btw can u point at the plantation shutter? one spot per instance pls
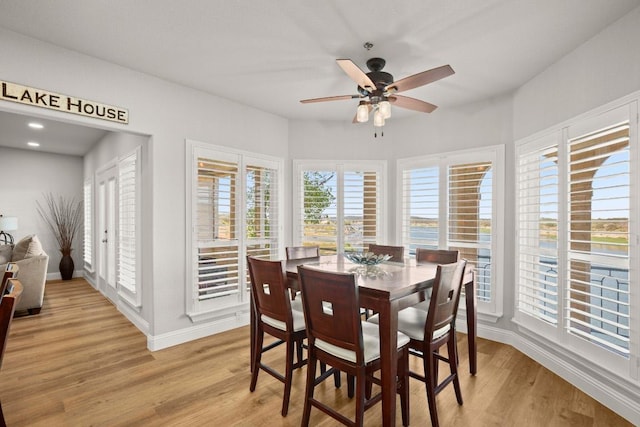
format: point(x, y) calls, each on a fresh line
point(360, 211)
point(128, 193)
point(262, 222)
point(597, 309)
point(420, 208)
point(339, 207)
point(319, 208)
point(470, 218)
point(537, 216)
point(216, 228)
point(88, 225)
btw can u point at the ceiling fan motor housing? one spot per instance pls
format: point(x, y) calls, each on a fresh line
point(381, 78)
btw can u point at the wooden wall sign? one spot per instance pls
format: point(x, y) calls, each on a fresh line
point(54, 101)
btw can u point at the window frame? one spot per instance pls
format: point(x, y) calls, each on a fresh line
point(340, 167)
point(558, 338)
point(492, 310)
point(200, 310)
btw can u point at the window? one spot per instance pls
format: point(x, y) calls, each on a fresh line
point(575, 206)
point(88, 225)
point(449, 202)
point(338, 206)
point(128, 227)
point(235, 211)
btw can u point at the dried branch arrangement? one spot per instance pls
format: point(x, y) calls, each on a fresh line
point(64, 217)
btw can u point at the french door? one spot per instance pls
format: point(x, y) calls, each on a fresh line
point(106, 209)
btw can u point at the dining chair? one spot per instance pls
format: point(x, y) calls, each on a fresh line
point(338, 337)
point(430, 330)
point(274, 316)
point(435, 256)
point(396, 252)
point(299, 252)
point(7, 309)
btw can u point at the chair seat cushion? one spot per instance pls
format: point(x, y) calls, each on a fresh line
point(298, 321)
point(411, 321)
point(371, 340)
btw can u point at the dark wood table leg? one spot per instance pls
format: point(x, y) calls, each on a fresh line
point(472, 319)
point(388, 362)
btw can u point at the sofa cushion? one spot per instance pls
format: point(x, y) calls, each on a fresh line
point(5, 253)
point(22, 247)
point(35, 248)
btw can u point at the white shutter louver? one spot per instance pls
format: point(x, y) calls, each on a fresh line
point(127, 221)
point(262, 221)
point(420, 216)
point(88, 223)
point(216, 229)
point(360, 210)
point(538, 212)
point(470, 219)
point(598, 237)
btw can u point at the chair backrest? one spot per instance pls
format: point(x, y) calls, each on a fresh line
point(396, 252)
point(438, 256)
point(445, 297)
point(331, 309)
point(7, 308)
point(269, 290)
point(299, 252)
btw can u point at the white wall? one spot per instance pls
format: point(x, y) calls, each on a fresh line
point(25, 177)
point(602, 69)
point(169, 113)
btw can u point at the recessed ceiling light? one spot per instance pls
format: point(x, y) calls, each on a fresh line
point(34, 125)
point(33, 144)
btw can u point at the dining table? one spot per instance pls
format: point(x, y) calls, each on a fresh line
point(388, 288)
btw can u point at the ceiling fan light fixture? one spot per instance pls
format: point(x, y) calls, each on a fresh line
point(378, 118)
point(385, 108)
point(362, 114)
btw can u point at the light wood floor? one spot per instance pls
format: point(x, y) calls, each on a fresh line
point(80, 363)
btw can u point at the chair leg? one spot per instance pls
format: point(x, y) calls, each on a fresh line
point(453, 366)
point(311, 380)
point(257, 355)
point(2, 422)
point(350, 386)
point(403, 374)
point(360, 396)
point(299, 352)
point(287, 377)
point(431, 381)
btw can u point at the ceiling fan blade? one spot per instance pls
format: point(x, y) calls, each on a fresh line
point(330, 98)
point(356, 74)
point(420, 79)
point(412, 103)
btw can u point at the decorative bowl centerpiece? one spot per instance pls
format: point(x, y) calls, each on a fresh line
point(366, 258)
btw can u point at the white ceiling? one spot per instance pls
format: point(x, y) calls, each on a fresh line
point(271, 54)
point(54, 137)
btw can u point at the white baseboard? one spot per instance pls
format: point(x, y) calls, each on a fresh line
point(158, 342)
point(134, 317)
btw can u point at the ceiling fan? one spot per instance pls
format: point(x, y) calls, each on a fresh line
point(377, 90)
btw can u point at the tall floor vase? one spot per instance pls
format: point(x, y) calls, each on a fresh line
point(66, 265)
